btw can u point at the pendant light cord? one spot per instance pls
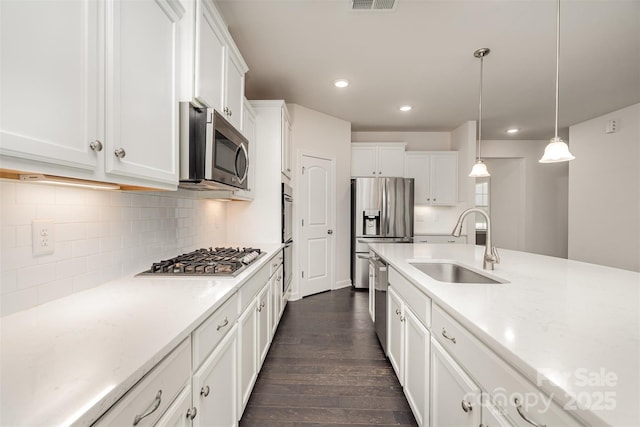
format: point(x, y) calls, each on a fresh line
point(480, 109)
point(557, 63)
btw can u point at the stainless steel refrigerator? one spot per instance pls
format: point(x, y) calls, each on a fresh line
point(381, 211)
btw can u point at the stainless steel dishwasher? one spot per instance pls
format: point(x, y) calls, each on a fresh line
point(380, 312)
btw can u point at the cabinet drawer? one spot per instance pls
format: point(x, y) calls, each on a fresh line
point(251, 287)
point(156, 390)
point(495, 376)
point(420, 303)
point(275, 263)
point(209, 334)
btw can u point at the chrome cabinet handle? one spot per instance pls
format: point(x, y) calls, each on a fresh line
point(398, 311)
point(516, 401)
point(192, 412)
point(466, 406)
point(402, 318)
point(120, 153)
point(150, 410)
point(96, 145)
point(204, 391)
point(223, 324)
point(444, 334)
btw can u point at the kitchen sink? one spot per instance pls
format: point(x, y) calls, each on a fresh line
point(452, 273)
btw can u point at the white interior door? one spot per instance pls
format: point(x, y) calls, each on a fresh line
point(317, 207)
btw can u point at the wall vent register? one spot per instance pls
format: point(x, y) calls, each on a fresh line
point(206, 262)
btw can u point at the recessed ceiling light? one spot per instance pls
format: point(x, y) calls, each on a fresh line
point(513, 130)
point(341, 83)
point(406, 108)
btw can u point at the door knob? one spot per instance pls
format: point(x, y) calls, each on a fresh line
point(329, 231)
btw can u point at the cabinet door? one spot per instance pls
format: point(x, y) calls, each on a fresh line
point(286, 145)
point(372, 292)
point(444, 179)
point(234, 90)
point(214, 386)
point(49, 80)
point(416, 367)
point(395, 335)
point(276, 299)
point(210, 57)
point(417, 166)
point(391, 161)
point(364, 161)
point(180, 413)
point(455, 398)
point(247, 354)
point(264, 326)
point(141, 97)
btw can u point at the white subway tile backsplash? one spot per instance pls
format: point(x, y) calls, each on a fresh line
point(29, 277)
point(100, 236)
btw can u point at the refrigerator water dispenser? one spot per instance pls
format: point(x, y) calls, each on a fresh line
point(371, 221)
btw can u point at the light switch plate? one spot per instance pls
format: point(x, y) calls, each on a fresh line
point(43, 237)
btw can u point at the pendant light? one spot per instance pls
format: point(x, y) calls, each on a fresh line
point(557, 150)
point(479, 169)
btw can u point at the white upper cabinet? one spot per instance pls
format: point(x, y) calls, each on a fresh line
point(218, 68)
point(380, 159)
point(141, 97)
point(210, 56)
point(286, 145)
point(436, 176)
point(87, 94)
point(49, 79)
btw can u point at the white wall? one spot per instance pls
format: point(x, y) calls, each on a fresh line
point(604, 191)
point(545, 195)
point(100, 236)
point(324, 135)
point(463, 140)
point(418, 141)
point(507, 202)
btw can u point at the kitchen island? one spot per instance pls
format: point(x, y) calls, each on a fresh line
point(68, 361)
point(570, 328)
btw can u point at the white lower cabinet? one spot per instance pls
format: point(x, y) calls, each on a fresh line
point(449, 377)
point(276, 299)
point(395, 335)
point(214, 385)
point(264, 325)
point(408, 351)
point(455, 398)
point(180, 413)
point(416, 366)
point(247, 355)
point(145, 402)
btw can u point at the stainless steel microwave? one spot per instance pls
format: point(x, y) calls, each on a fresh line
point(213, 154)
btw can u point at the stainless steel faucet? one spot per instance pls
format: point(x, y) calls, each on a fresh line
point(490, 252)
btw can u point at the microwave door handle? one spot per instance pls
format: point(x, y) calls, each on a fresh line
point(209, 143)
point(246, 169)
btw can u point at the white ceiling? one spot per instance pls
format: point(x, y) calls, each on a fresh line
point(421, 54)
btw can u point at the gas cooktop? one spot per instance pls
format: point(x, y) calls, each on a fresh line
point(206, 262)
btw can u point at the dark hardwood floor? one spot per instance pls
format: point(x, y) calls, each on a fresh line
point(326, 368)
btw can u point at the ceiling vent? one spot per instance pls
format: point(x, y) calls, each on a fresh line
point(373, 4)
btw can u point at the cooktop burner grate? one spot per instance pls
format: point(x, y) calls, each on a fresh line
point(206, 262)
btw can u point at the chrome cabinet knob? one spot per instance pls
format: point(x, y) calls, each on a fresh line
point(96, 145)
point(466, 406)
point(204, 391)
point(329, 231)
point(120, 153)
point(192, 412)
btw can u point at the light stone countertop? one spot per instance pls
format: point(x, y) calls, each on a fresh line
point(565, 320)
point(67, 361)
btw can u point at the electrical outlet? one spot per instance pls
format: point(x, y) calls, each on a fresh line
point(43, 237)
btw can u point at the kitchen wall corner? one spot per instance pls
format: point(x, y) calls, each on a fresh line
point(100, 236)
